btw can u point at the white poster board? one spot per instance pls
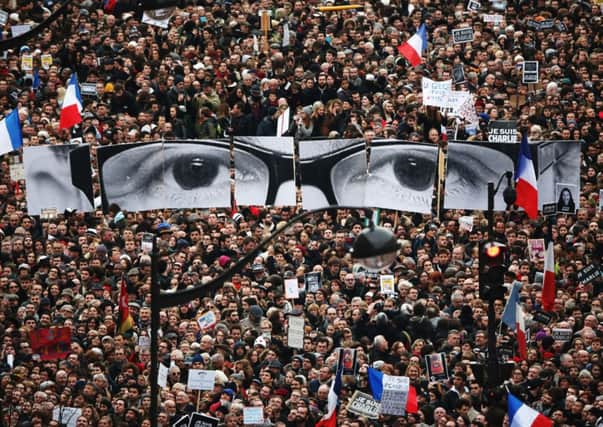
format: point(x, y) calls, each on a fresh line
point(200, 379)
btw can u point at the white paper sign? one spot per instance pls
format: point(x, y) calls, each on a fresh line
point(466, 223)
point(395, 395)
point(495, 19)
point(253, 415)
point(3, 17)
point(66, 415)
point(158, 17)
point(291, 288)
point(454, 100)
point(433, 91)
point(207, 320)
point(200, 379)
point(17, 171)
point(295, 334)
point(162, 375)
point(17, 30)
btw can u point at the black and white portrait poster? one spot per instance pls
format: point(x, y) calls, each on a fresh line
point(558, 163)
point(264, 171)
point(58, 177)
point(565, 198)
point(400, 175)
point(174, 174)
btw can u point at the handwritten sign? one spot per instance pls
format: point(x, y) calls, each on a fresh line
point(433, 91)
point(295, 333)
point(395, 394)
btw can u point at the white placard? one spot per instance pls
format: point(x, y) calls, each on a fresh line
point(291, 288)
point(395, 395)
point(158, 17)
point(207, 320)
point(17, 171)
point(462, 35)
point(17, 30)
point(295, 333)
point(387, 284)
point(66, 415)
point(466, 223)
point(3, 17)
point(433, 91)
point(162, 375)
point(200, 379)
point(495, 19)
point(253, 415)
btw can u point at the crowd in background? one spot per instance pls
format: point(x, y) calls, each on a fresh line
point(340, 73)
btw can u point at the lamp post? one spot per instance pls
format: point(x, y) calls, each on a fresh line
point(375, 248)
point(495, 285)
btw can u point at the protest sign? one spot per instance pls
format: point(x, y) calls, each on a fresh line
point(502, 131)
point(466, 223)
point(364, 405)
point(437, 367)
point(546, 24)
point(562, 334)
point(549, 209)
point(348, 358)
point(88, 89)
point(27, 62)
point(455, 101)
point(395, 395)
point(542, 317)
point(158, 17)
point(200, 379)
point(3, 17)
point(253, 415)
point(462, 35)
point(387, 284)
point(17, 30)
point(495, 19)
point(588, 274)
point(291, 288)
point(295, 333)
point(17, 171)
point(474, 6)
point(202, 420)
point(458, 73)
point(207, 320)
point(181, 422)
point(162, 375)
point(313, 282)
point(66, 415)
point(46, 61)
point(434, 92)
point(536, 249)
point(530, 72)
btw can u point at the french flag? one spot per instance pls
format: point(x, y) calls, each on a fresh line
point(413, 48)
point(521, 415)
point(525, 180)
point(375, 378)
point(520, 330)
point(330, 418)
point(548, 284)
point(71, 110)
point(10, 133)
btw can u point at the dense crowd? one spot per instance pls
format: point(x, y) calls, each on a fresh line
point(340, 73)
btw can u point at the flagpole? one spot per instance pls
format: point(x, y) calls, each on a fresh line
point(155, 294)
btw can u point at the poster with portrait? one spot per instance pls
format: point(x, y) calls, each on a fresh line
point(58, 177)
point(565, 197)
point(536, 249)
point(171, 174)
point(437, 367)
point(348, 358)
point(558, 163)
point(264, 171)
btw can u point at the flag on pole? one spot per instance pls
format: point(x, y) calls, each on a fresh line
point(525, 180)
point(520, 331)
point(71, 110)
point(11, 137)
point(375, 378)
point(126, 322)
point(50, 343)
point(509, 316)
point(548, 284)
point(413, 48)
point(521, 415)
point(330, 418)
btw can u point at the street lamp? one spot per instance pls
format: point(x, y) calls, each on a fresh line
point(492, 263)
point(375, 248)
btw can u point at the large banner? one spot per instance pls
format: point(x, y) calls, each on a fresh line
point(395, 175)
point(158, 175)
point(58, 177)
point(470, 166)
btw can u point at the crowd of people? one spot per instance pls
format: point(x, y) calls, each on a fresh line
point(212, 73)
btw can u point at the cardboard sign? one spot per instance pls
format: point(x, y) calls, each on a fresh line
point(313, 281)
point(474, 6)
point(201, 420)
point(542, 317)
point(588, 274)
point(395, 395)
point(387, 284)
point(562, 334)
point(536, 249)
point(88, 89)
point(437, 367)
point(495, 19)
point(530, 72)
point(253, 415)
point(66, 415)
point(162, 375)
point(291, 288)
point(364, 405)
point(503, 131)
point(200, 379)
point(462, 35)
point(295, 332)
